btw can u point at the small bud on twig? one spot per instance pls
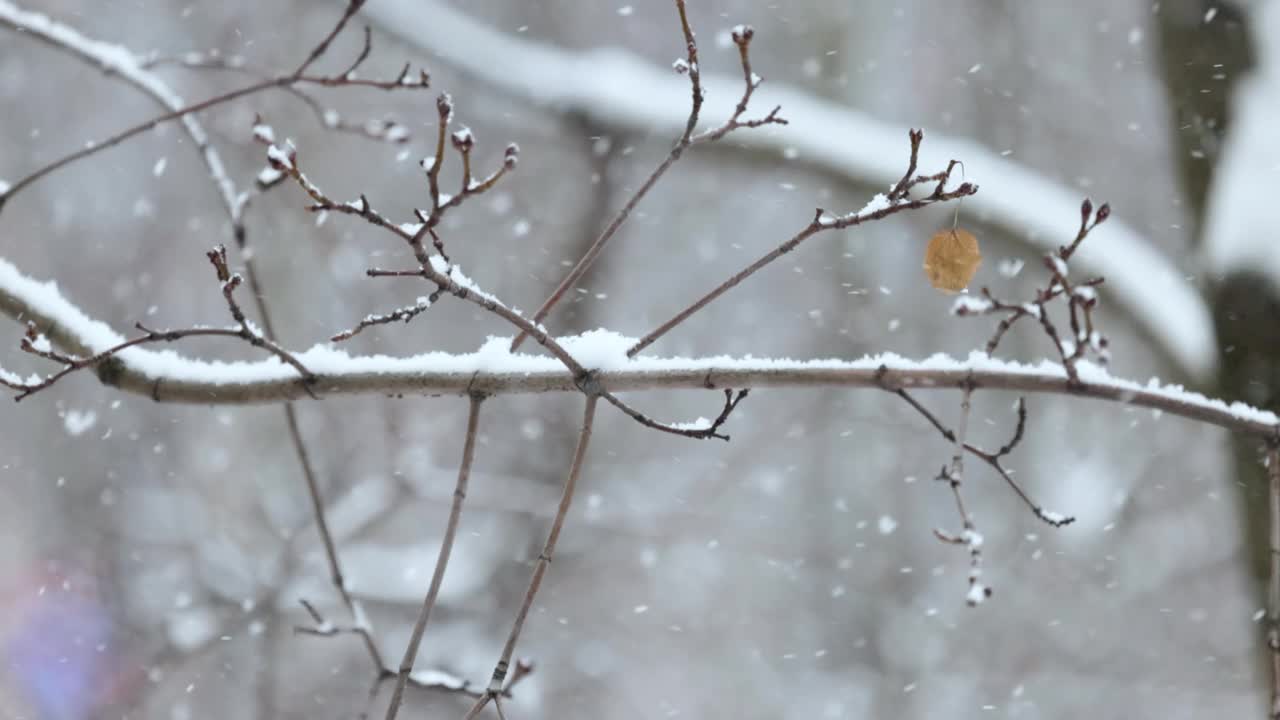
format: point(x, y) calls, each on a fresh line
point(463, 140)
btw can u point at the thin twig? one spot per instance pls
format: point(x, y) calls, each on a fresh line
point(296, 78)
point(496, 683)
point(442, 561)
point(436, 269)
point(697, 431)
point(742, 36)
point(387, 129)
point(1081, 299)
point(108, 363)
point(119, 61)
point(990, 458)
point(353, 6)
point(821, 222)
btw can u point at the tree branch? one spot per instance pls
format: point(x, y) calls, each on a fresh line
point(879, 208)
point(117, 59)
point(622, 92)
point(742, 36)
point(442, 561)
point(171, 378)
point(500, 683)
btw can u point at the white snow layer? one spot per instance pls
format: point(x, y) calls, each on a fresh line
point(617, 88)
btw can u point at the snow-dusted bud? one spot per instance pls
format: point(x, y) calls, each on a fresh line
point(262, 132)
point(742, 34)
point(511, 157)
point(463, 140)
point(444, 107)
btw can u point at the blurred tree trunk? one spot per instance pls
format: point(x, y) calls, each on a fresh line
point(1206, 47)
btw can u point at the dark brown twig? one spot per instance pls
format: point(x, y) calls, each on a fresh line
point(353, 7)
point(1081, 300)
point(404, 314)
point(697, 431)
point(900, 190)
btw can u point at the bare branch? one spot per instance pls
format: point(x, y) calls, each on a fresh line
point(404, 314)
point(1081, 300)
point(353, 7)
point(497, 684)
point(742, 36)
point(16, 19)
point(992, 459)
point(700, 430)
point(118, 61)
point(191, 381)
point(386, 129)
point(442, 561)
point(35, 343)
point(878, 209)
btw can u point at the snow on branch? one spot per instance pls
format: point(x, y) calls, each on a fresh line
point(120, 61)
point(492, 369)
point(617, 89)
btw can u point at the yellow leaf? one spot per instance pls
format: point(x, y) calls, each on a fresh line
point(951, 259)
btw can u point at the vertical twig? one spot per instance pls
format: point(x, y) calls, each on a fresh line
point(326, 538)
point(686, 139)
point(442, 560)
point(544, 559)
point(962, 433)
point(1273, 610)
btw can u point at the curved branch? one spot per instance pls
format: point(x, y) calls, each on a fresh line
point(118, 60)
point(492, 370)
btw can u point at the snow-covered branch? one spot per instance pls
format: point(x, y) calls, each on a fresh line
point(617, 89)
point(116, 59)
point(492, 369)
point(120, 61)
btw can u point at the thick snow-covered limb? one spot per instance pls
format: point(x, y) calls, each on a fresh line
point(616, 88)
point(119, 60)
point(169, 377)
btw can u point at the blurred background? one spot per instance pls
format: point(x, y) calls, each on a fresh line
point(152, 557)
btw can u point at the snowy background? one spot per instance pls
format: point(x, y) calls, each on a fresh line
point(152, 556)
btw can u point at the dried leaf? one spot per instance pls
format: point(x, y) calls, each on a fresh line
point(951, 259)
